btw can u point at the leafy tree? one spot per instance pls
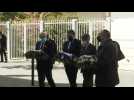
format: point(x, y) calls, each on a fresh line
point(6, 16)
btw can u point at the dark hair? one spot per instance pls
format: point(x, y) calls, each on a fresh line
point(85, 37)
point(106, 33)
point(71, 32)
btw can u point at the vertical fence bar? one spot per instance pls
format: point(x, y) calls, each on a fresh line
point(91, 26)
point(90, 31)
point(25, 39)
point(41, 26)
point(8, 40)
point(15, 39)
point(11, 41)
point(74, 24)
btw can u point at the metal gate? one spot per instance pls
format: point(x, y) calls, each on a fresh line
point(22, 36)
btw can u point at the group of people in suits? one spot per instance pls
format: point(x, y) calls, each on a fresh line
point(106, 70)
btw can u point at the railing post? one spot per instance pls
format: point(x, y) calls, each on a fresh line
point(41, 26)
point(8, 40)
point(74, 26)
point(25, 39)
point(91, 31)
point(108, 23)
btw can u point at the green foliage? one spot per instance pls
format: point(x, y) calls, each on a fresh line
point(5, 16)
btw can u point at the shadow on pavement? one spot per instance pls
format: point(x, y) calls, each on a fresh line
point(28, 67)
point(8, 81)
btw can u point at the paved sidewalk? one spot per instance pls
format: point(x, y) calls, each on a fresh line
point(18, 74)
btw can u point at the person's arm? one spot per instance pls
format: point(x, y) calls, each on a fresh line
point(77, 48)
point(54, 49)
point(94, 51)
point(120, 53)
point(5, 42)
point(107, 56)
point(64, 47)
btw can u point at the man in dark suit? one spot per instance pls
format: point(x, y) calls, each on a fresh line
point(3, 47)
point(73, 47)
point(107, 66)
point(44, 66)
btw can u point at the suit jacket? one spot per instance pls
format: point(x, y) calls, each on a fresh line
point(75, 47)
point(107, 66)
point(49, 47)
point(90, 50)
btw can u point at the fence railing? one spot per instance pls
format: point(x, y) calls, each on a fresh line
point(22, 36)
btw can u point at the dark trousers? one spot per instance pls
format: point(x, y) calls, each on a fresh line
point(71, 72)
point(87, 78)
point(106, 85)
point(45, 71)
point(102, 83)
point(3, 53)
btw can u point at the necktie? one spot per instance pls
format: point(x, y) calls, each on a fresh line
point(69, 45)
point(41, 45)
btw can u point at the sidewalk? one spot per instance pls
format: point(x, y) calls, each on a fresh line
point(18, 74)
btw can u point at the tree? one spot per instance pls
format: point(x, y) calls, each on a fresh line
point(6, 16)
point(43, 15)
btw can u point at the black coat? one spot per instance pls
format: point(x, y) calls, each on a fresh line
point(107, 66)
point(3, 43)
point(50, 48)
point(89, 50)
point(74, 48)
